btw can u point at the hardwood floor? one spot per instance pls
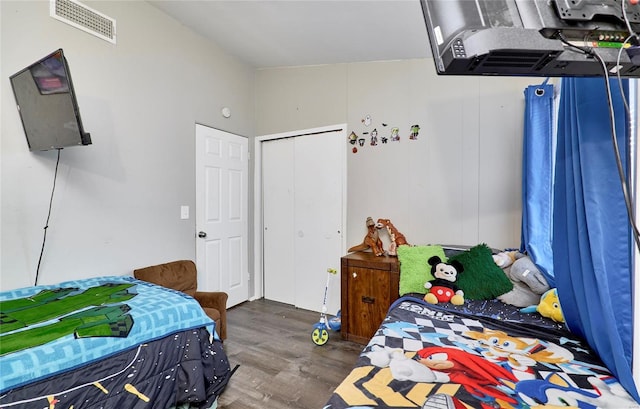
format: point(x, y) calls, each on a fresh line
point(280, 367)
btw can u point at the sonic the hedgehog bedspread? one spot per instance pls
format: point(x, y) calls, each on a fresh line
point(425, 356)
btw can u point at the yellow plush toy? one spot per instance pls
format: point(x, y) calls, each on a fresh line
point(549, 306)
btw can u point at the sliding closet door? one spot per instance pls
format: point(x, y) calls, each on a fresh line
point(302, 210)
point(279, 223)
point(318, 225)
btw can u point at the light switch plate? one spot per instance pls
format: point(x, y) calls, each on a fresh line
point(184, 212)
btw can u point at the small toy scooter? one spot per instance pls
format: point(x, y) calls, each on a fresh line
point(320, 333)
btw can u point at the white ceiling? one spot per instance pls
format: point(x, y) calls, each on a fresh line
point(275, 33)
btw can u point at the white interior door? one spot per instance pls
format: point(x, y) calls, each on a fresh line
point(222, 213)
point(303, 187)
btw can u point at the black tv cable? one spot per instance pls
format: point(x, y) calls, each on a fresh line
point(44, 238)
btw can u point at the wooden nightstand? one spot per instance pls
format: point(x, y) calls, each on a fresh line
point(369, 285)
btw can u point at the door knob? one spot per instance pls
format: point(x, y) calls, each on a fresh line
point(202, 234)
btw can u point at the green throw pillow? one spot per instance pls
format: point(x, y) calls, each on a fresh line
point(414, 269)
point(482, 279)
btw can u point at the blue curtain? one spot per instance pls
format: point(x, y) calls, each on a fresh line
point(592, 245)
point(537, 177)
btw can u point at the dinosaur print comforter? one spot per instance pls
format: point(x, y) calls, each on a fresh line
point(107, 342)
point(426, 356)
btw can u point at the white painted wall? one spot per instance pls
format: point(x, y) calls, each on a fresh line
point(458, 183)
point(117, 202)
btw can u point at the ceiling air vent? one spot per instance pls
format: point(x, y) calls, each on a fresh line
point(85, 18)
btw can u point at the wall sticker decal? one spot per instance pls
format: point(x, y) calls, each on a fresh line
point(414, 132)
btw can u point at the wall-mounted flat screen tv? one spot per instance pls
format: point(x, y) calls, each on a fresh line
point(47, 104)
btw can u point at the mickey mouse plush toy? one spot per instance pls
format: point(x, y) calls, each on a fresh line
point(443, 287)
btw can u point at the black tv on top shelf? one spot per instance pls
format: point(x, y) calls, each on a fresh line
point(533, 37)
point(47, 104)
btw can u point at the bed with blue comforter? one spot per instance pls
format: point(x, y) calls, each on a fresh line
point(108, 342)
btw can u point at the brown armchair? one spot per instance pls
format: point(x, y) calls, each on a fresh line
point(182, 276)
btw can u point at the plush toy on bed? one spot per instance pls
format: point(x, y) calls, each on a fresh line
point(549, 306)
point(443, 288)
point(506, 258)
point(528, 282)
